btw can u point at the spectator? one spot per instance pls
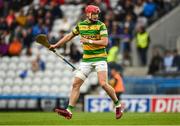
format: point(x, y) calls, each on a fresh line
point(55, 10)
point(3, 48)
point(138, 8)
point(142, 21)
point(115, 34)
point(149, 9)
point(1, 8)
point(27, 40)
point(176, 60)
point(75, 54)
point(156, 63)
point(3, 24)
point(10, 18)
point(125, 46)
point(117, 82)
point(125, 41)
point(119, 11)
point(168, 60)
point(39, 28)
point(129, 23)
point(15, 47)
point(38, 64)
point(30, 21)
point(66, 25)
point(142, 43)
point(103, 8)
point(21, 18)
point(113, 53)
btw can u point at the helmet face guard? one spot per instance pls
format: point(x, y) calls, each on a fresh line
point(92, 12)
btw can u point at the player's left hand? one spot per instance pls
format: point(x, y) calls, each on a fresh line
point(84, 40)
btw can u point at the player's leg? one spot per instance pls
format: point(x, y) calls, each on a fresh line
point(80, 77)
point(75, 93)
point(67, 113)
point(102, 77)
point(101, 68)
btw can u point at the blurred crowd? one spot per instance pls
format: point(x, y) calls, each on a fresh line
point(22, 20)
point(164, 62)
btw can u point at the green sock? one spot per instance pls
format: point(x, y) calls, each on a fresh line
point(117, 103)
point(70, 108)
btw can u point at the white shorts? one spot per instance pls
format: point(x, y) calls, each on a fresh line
point(86, 68)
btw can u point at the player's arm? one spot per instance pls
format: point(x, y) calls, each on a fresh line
point(62, 41)
point(66, 38)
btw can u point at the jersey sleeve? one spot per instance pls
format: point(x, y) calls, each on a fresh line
point(103, 31)
point(75, 31)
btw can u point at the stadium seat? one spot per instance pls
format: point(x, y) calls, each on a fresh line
point(44, 89)
point(35, 90)
point(66, 81)
point(18, 81)
point(59, 65)
point(67, 73)
point(31, 74)
point(13, 65)
point(25, 89)
point(44, 51)
point(10, 74)
point(14, 59)
point(50, 66)
point(6, 90)
point(58, 74)
point(39, 74)
point(27, 81)
point(16, 89)
point(6, 59)
point(64, 89)
point(3, 66)
point(36, 81)
point(48, 73)
point(54, 89)
point(2, 74)
point(22, 66)
point(51, 58)
point(8, 81)
point(11, 103)
point(3, 103)
point(32, 103)
point(1, 81)
point(24, 59)
point(56, 81)
point(46, 81)
point(1, 89)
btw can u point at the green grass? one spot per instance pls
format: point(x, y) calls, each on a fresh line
point(48, 118)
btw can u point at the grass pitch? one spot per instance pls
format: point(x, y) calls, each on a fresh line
point(82, 118)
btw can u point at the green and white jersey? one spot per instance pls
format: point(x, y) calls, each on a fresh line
point(92, 31)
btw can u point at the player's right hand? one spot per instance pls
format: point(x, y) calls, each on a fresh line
point(52, 47)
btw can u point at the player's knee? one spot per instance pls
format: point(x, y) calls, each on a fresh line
point(102, 83)
point(76, 85)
